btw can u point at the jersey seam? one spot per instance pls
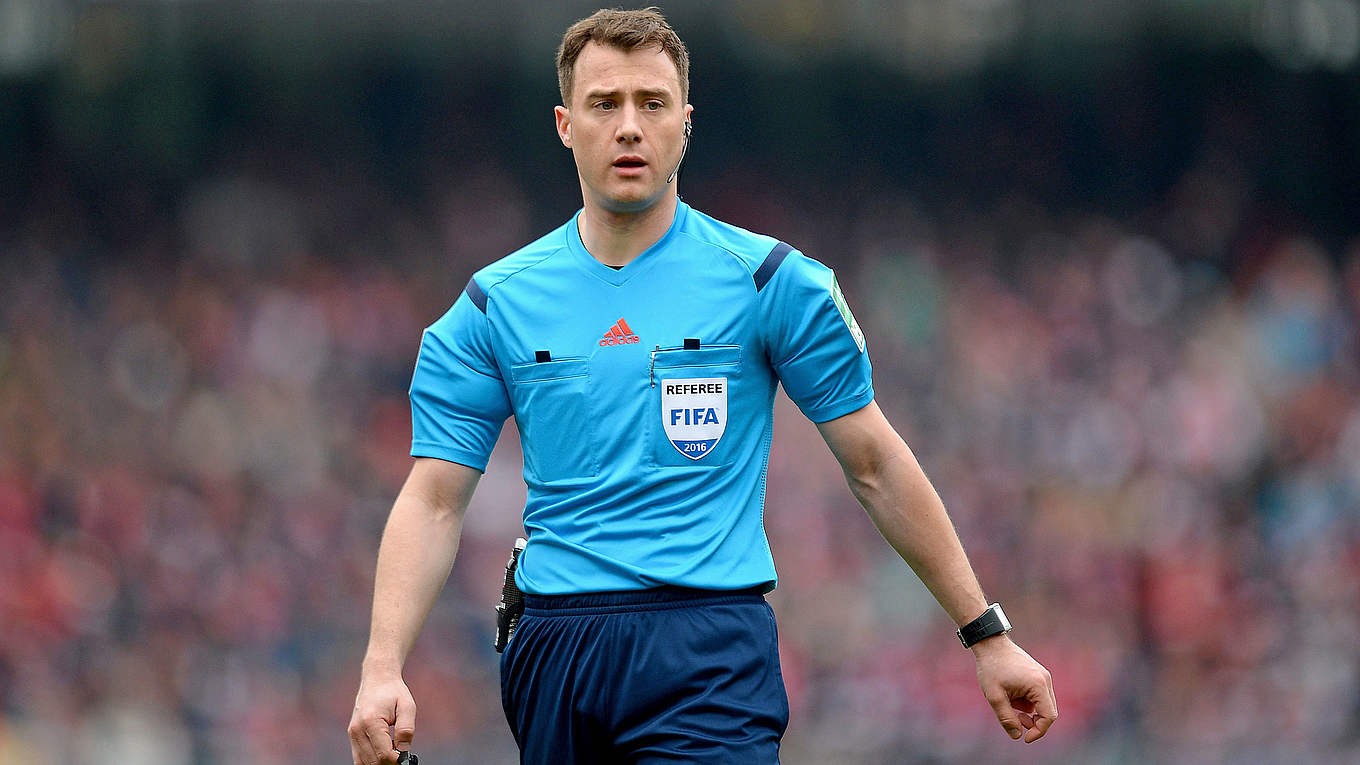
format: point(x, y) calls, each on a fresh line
point(832, 410)
point(740, 260)
point(486, 315)
point(765, 444)
point(750, 278)
point(517, 271)
point(421, 447)
point(420, 358)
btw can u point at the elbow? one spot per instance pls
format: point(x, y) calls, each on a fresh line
point(879, 469)
point(864, 474)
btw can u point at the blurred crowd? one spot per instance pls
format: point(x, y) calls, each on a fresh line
point(1146, 429)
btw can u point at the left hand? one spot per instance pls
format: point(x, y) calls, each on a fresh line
point(1019, 689)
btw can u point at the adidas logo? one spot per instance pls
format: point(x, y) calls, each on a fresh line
point(619, 334)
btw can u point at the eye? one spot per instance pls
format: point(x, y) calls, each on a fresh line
point(605, 106)
point(653, 106)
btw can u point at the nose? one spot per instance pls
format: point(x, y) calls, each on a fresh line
point(629, 130)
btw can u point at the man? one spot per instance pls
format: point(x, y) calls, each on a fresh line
point(639, 347)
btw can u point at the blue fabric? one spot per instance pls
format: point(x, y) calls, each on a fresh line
point(645, 460)
point(659, 676)
point(458, 399)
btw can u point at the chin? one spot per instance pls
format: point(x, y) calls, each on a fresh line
point(625, 198)
point(632, 202)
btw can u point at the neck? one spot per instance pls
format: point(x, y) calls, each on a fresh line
point(615, 238)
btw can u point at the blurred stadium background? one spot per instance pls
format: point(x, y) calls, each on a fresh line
point(1105, 253)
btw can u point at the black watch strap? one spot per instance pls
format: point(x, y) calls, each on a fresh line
point(992, 622)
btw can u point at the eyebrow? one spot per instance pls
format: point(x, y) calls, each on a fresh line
point(642, 93)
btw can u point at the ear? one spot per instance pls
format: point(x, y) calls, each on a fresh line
point(689, 112)
point(563, 117)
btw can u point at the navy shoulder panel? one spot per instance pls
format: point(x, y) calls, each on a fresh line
point(474, 292)
point(766, 271)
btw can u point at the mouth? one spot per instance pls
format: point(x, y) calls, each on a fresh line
point(630, 162)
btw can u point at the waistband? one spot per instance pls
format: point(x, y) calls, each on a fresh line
point(655, 599)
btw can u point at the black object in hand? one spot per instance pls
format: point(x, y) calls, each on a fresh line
point(407, 758)
point(512, 601)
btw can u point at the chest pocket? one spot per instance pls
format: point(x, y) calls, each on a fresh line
point(690, 416)
point(556, 424)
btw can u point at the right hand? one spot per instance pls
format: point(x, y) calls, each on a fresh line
point(383, 702)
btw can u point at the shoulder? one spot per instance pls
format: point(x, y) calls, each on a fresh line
point(763, 257)
point(759, 255)
point(504, 271)
point(472, 301)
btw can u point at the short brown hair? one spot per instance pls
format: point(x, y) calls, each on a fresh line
point(625, 30)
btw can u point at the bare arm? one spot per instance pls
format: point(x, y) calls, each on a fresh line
point(887, 480)
point(414, 559)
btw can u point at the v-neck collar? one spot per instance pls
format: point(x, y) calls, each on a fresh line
point(619, 276)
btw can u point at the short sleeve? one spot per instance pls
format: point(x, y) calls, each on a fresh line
point(813, 341)
point(458, 397)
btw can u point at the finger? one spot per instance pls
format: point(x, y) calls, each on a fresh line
point(1037, 732)
point(1027, 720)
point(405, 725)
point(1004, 714)
point(1045, 712)
point(1046, 704)
point(359, 745)
point(381, 741)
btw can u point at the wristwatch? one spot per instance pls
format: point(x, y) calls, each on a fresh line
point(992, 622)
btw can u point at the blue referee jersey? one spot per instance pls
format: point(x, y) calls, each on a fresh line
point(643, 397)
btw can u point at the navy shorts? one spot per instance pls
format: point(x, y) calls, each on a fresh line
point(638, 678)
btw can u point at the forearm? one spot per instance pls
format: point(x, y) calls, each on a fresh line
point(888, 481)
point(414, 559)
point(907, 511)
point(909, 514)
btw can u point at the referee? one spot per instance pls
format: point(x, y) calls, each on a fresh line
point(639, 347)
